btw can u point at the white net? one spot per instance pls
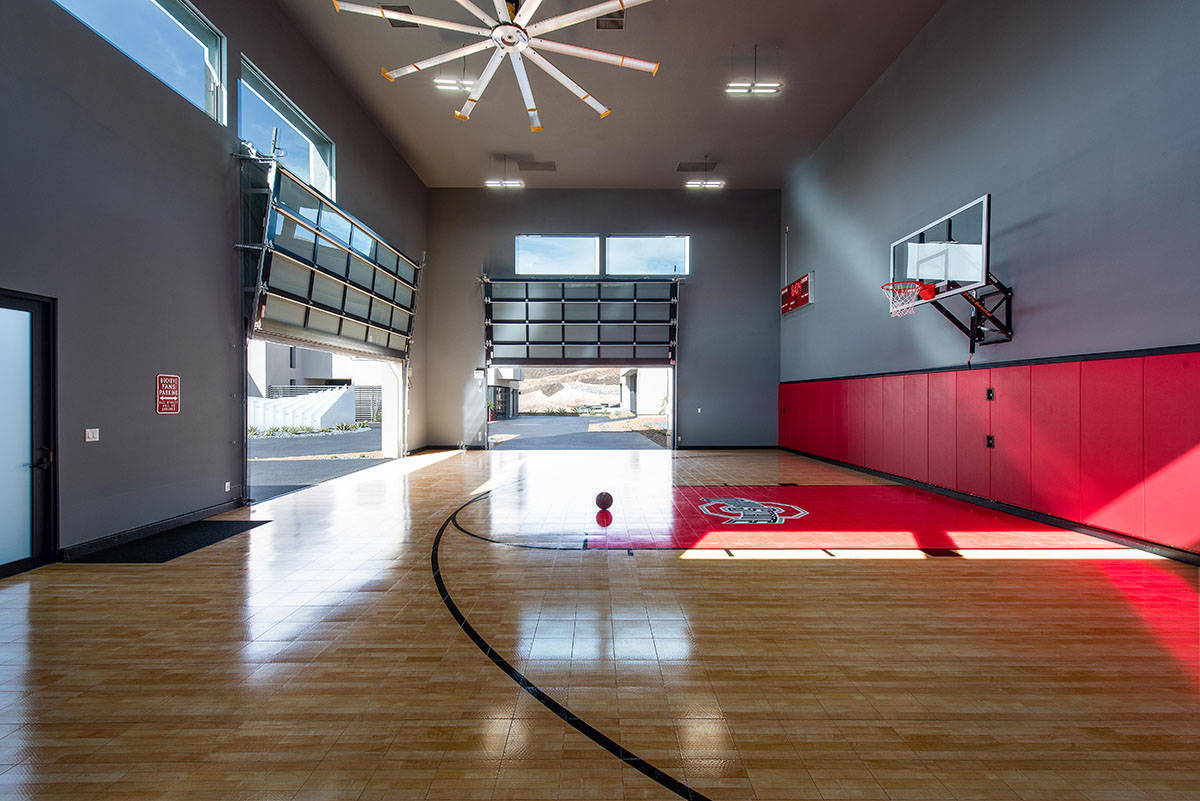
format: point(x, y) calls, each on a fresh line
point(902, 297)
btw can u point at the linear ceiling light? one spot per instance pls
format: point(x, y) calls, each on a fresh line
point(754, 86)
point(504, 183)
point(454, 84)
point(699, 183)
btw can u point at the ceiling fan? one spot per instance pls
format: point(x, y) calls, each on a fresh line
point(513, 36)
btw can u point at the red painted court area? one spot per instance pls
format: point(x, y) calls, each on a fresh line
point(769, 517)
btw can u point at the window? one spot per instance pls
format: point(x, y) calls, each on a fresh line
point(558, 255)
point(263, 111)
point(167, 37)
point(648, 255)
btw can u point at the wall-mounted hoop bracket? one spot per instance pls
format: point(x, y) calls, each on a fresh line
point(990, 320)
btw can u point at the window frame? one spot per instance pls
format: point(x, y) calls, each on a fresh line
point(686, 237)
point(220, 100)
point(248, 67)
point(599, 239)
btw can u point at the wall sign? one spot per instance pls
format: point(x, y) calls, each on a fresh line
point(796, 294)
point(167, 394)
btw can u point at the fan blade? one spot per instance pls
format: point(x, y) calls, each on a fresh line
point(582, 15)
point(376, 11)
point(502, 10)
point(527, 10)
point(480, 85)
point(477, 11)
point(557, 74)
point(461, 52)
point(535, 124)
point(596, 55)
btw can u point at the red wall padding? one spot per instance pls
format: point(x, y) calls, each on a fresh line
point(1011, 467)
point(1172, 450)
point(1110, 403)
point(974, 420)
point(1113, 443)
point(1054, 412)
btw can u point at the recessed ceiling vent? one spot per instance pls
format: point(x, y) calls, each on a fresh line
point(537, 166)
point(696, 166)
point(398, 23)
point(611, 22)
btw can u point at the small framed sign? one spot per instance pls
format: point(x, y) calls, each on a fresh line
point(167, 394)
point(796, 295)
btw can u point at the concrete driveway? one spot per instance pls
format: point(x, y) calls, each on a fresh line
point(553, 432)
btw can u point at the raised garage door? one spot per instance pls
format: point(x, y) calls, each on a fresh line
point(320, 278)
point(548, 322)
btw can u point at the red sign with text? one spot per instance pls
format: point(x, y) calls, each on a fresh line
point(168, 394)
point(795, 295)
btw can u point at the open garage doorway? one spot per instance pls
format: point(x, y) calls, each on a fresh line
point(580, 408)
point(315, 415)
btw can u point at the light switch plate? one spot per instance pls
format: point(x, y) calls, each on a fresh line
point(91, 435)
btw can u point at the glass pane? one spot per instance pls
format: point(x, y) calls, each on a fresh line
point(508, 311)
point(331, 257)
point(353, 330)
point(16, 436)
point(404, 296)
point(508, 352)
point(545, 352)
point(654, 333)
point(284, 311)
point(335, 224)
point(581, 291)
point(363, 243)
point(545, 311)
point(506, 332)
point(617, 291)
point(266, 116)
point(647, 255)
point(543, 290)
point(583, 333)
point(653, 352)
point(386, 258)
point(654, 290)
point(165, 38)
point(616, 333)
point(361, 272)
point(384, 286)
point(293, 237)
point(616, 312)
point(558, 255)
point(406, 271)
point(516, 291)
point(377, 337)
point(398, 342)
point(322, 321)
point(381, 313)
point(581, 352)
point(654, 312)
point(582, 311)
point(545, 333)
point(288, 277)
point(327, 292)
point(401, 320)
point(616, 351)
point(298, 199)
point(357, 303)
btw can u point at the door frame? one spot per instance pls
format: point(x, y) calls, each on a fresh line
point(44, 327)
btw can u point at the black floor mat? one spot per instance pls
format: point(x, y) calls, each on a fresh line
point(167, 545)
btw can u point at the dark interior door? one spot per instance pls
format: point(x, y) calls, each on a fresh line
point(27, 465)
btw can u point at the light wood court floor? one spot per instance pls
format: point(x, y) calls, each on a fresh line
point(313, 657)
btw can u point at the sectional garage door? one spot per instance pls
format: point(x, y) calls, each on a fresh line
point(548, 322)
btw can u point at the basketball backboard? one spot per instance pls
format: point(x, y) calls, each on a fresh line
point(950, 253)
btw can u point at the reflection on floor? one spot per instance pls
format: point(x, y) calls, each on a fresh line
point(313, 658)
point(547, 432)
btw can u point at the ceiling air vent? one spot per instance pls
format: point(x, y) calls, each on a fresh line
point(537, 166)
point(696, 166)
point(403, 10)
point(611, 22)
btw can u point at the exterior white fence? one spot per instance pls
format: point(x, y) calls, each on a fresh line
point(323, 409)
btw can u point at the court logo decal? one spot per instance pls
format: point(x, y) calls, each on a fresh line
point(743, 511)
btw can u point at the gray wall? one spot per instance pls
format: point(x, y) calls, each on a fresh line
point(728, 359)
point(1081, 117)
point(121, 201)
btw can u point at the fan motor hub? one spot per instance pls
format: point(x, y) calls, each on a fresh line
point(510, 38)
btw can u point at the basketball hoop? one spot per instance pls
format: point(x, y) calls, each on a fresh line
point(902, 296)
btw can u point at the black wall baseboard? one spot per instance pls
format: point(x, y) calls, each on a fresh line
point(1083, 357)
point(73, 552)
point(1155, 548)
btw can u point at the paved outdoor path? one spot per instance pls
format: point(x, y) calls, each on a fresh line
point(280, 465)
point(550, 432)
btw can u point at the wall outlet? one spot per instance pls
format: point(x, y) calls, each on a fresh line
point(697, 410)
point(91, 435)
point(228, 486)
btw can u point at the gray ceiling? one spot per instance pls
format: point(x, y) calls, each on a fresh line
point(828, 52)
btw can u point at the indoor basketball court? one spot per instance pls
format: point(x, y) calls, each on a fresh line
point(517, 400)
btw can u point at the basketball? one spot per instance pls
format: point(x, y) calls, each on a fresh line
point(604, 500)
point(604, 518)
